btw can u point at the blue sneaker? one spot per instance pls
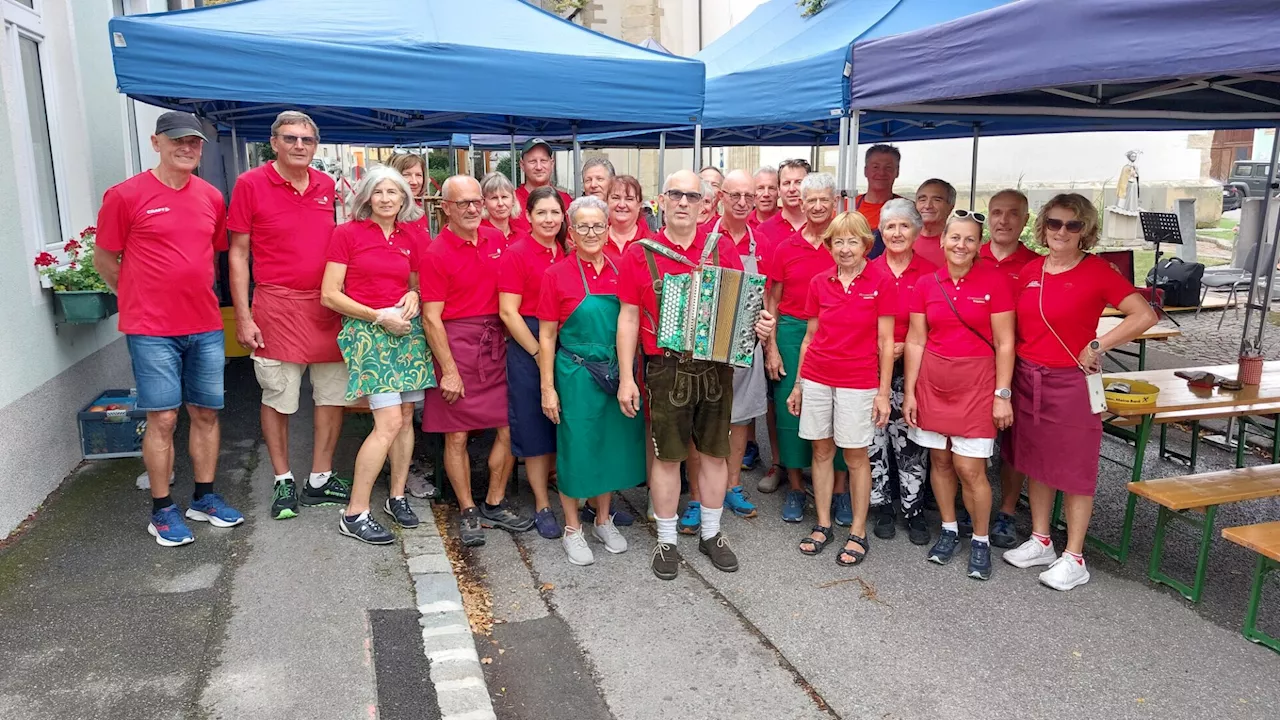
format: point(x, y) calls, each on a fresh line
point(980, 561)
point(691, 520)
point(942, 550)
point(842, 509)
point(620, 518)
point(168, 528)
point(793, 506)
point(736, 500)
point(751, 457)
point(547, 524)
point(214, 510)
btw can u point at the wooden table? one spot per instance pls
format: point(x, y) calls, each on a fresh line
point(1176, 396)
point(1156, 332)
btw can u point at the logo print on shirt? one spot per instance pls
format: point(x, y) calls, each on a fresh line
point(1033, 284)
point(153, 211)
point(322, 200)
point(980, 300)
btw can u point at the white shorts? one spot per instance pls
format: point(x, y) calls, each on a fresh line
point(281, 383)
point(965, 447)
point(842, 413)
point(377, 401)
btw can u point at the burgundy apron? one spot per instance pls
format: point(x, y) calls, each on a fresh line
point(479, 350)
point(295, 327)
point(1055, 438)
point(955, 396)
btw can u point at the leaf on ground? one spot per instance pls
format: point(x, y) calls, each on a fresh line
point(486, 661)
point(547, 587)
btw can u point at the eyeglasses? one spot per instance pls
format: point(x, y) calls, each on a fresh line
point(307, 140)
point(1054, 224)
point(968, 215)
point(590, 229)
point(675, 196)
point(464, 204)
point(739, 197)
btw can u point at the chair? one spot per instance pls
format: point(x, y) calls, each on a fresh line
point(1231, 279)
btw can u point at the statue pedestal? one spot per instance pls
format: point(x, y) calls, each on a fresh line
point(1120, 228)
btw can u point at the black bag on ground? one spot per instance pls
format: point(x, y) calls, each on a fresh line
point(1179, 280)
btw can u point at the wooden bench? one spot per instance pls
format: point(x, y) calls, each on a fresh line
point(1264, 539)
point(1180, 497)
point(1245, 414)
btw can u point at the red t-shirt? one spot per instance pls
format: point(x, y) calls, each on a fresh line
point(794, 263)
point(1073, 303)
point(423, 224)
point(510, 238)
point(710, 222)
point(929, 247)
point(778, 228)
point(635, 286)
point(844, 350)
point(522, 268)
point(562, 289)
point(1012, 265)
point(168, 238)
point(611, 250)
point(764, 249)
point(378, 266)
point(904, 288)
point(520, 223)
point(754, 218)
point(288, 230)
point(462, 274)
point(981, 293)
point(869, 210)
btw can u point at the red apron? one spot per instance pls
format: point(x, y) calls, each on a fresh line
point(295, 327)
point(1055, 438)
point(955, 396)
point(479, 350)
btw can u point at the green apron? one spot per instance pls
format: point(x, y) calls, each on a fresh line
point(599, 450)
point(793, 453)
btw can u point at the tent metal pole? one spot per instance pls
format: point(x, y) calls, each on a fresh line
point(471, 158)
point(842, 167)
point(697, 146)
point(235, 150)
point(577, 163)
point(973, 170)
point(662, 167)
point(1256, 308)
point(853, 153)
point(513, 158)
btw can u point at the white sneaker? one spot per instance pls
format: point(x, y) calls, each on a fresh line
point(1065, 573)
point(612, 539)
point(1030, 553)
point(772, 478)
point(576, 548)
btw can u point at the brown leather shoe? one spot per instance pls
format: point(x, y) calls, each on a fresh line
point(718, 550)
point(666, 561)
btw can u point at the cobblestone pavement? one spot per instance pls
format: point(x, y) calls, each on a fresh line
point(1203, 343)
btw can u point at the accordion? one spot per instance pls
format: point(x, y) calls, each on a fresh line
point(710, 314)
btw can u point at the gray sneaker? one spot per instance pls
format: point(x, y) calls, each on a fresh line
point(420, 486)
point(612, 539)
point(469, 529)
point(576, 548)
point(504, 518)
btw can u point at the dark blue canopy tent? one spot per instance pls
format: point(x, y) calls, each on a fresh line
point(400, 71)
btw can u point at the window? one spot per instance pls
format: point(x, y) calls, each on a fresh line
point(1243, 170)
point(46, 186)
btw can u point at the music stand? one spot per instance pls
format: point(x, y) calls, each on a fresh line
point(1157, 228)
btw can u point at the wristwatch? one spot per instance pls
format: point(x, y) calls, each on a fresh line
point(1004, 393)
point(1095, 346)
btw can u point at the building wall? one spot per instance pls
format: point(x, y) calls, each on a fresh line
point(51, 370)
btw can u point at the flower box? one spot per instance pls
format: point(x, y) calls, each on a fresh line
point(82, 307)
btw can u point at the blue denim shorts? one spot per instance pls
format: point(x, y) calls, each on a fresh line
point(170, 371)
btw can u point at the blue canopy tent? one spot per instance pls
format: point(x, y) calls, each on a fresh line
point(400, 71)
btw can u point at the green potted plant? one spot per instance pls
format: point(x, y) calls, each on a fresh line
point(78, 288)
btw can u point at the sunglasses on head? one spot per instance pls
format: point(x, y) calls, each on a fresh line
point(1055, 224)
point(969, 215)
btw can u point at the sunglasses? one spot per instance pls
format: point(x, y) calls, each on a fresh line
point(306, 140)
point(675, 195)
point(1054, 224)
point(968, 215)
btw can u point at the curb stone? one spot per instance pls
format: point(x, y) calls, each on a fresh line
point(446, 634)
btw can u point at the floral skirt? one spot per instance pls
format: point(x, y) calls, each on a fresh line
point(379, 362)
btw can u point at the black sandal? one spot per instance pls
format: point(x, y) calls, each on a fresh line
point(857, 555)
point(816, 546)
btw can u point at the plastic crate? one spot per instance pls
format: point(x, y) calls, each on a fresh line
point(115, 433)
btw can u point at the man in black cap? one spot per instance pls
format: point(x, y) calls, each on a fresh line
point(171, 223)
point(537, 164)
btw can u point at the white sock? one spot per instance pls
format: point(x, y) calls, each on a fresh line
point(1078, 558)
point(317, 480)
point(286, 476)
point(667, 530)
point(953, 527)
point(710, 521)
point(985, 540)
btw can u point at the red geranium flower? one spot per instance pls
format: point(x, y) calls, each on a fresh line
point(71, 246)
point(44, 259)
point(91, 230)
point(72, 265)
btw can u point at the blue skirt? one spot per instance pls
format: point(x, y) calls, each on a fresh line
point(532, 434)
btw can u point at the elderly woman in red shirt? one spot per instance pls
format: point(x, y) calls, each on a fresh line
point(625, 224)
point(959, 362)
point(1056, 437)
point(846, 362)
point(500, 205)
point(900, 225)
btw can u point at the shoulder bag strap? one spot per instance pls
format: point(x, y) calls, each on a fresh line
point(973, 330)
point(1045, 320)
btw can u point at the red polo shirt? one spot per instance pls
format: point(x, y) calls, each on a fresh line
point(611, 250)
point(168, 237)
point(929, 247)
point(562, 289)
point(378, 266)
point(763, 250)
point(635, 286)
point(1073, 303)
point(1012, 265)
point(522, 269)
point(844, 349)
point(288, 230)
point(754, 218)
point(981, 293)
point(710, 222)
point(904, 288)
point(520, 223)
point(778, 228)
point(423, 224)
point(462, 274)
point(510, 238)
point(794, 263)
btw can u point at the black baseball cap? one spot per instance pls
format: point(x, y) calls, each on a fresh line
point(179, 125)
point(532, 143)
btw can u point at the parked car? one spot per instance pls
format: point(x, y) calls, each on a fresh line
point(1248, 179)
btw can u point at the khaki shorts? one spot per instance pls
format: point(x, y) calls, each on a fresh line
point(842, 413)
point(281, 383)
point(688, 400)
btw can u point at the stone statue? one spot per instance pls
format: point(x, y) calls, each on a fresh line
point(1127, 186)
